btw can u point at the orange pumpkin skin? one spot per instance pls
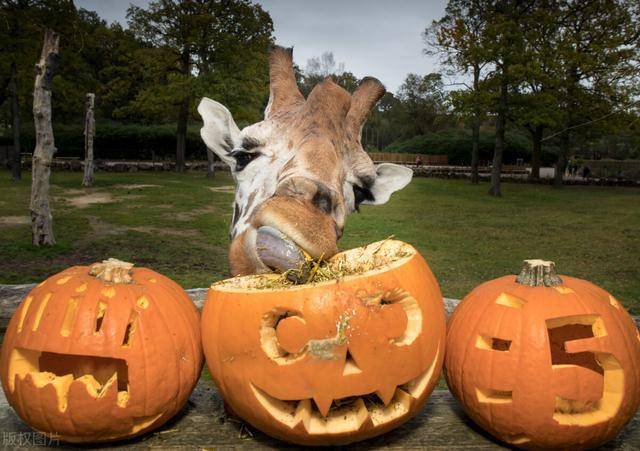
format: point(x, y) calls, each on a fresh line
point(84, 360)
point(281, 356)
point(544, 366)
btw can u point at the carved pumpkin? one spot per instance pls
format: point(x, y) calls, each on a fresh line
point(101, 353)
point(544, 361)
point(330, 362)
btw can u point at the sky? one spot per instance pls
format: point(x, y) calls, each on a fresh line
point(379, 38)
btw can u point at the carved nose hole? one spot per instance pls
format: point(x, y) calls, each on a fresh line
point(561, 330)
point(350, 366)
point(291, 332)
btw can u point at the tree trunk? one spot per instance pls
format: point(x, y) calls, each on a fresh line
point(182, 134)
point(183, 116)
point(89, 133)
point(561, 164)
point(572, 83)
point(41, 221)
point(475, 151)
point(496, 170)
point(536, 151)
point(16, 163)
point(211, 164)
point(475, 138)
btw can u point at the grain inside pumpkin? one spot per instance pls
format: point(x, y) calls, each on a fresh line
point(357, 261)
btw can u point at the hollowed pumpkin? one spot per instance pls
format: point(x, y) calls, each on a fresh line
point(331, 362)
point(544, 361)
point(101, 353)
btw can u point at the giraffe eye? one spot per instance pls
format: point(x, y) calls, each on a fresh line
point(243, 158)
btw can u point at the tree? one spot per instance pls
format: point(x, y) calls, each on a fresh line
point(188, 38)
point(504, 47)
point(457, 37)
point(423, 100)
point(598, 49)
point(319, 68)
point(324, 66)
point(535, 106)
point(13, 22)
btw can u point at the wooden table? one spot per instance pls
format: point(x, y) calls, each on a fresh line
point(203, 423)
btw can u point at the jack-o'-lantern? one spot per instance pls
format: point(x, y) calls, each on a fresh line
point(544, 361)
point(329, 362)
point(101, 353)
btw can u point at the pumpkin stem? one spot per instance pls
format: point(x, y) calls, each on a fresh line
point(538, 273)
point(112, 270)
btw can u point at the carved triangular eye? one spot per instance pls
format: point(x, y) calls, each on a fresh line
point(350, 366)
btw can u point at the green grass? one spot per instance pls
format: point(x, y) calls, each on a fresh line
point(180, 228)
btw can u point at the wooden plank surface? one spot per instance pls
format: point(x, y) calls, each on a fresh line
point(204, 424)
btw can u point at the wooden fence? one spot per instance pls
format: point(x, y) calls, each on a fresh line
point(409, 158)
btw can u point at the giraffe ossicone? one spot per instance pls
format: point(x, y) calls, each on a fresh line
point(299, 172)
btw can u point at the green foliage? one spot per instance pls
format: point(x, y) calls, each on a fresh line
point(134, 75)
point(121, 141)
point(201, 48)
point(423, 101)
point(176, 49)
point(564, 63)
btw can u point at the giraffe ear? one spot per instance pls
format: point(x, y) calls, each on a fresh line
point(220, 133)
point(389, 179)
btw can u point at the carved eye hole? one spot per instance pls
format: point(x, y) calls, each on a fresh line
point(283, 336)
point(401, 316)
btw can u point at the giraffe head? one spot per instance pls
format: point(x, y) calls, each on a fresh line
point(300, 171)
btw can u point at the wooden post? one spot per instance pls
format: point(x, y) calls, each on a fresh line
point(41, 221)
point(89, 133)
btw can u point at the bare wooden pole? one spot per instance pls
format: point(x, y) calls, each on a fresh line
point(89, 133)
point(41, 220)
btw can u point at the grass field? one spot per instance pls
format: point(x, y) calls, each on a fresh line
point(178, 225)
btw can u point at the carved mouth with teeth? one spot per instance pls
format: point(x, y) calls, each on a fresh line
point(73, 380)
point(98, 375)
point(347, 415)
